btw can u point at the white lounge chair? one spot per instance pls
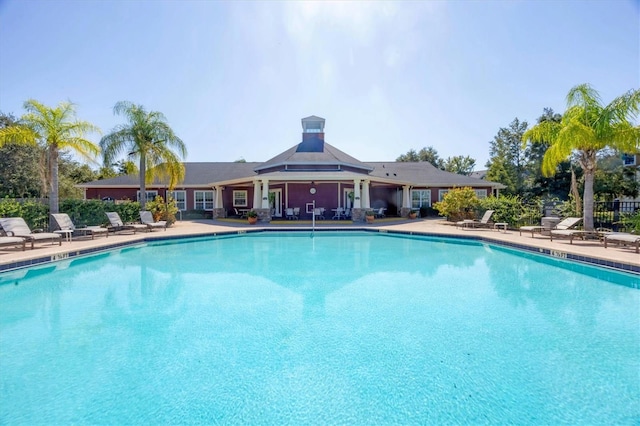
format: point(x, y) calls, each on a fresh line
point(484, 222)
point(13, 242)
point(117, 225)
point(65, 223)
point(623, 238)
point(17, 227)
point(147, 218)
point(564, 224)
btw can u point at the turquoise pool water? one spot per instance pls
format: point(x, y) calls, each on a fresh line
point(358, 328)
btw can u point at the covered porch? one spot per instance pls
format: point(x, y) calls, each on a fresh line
point(338, 194)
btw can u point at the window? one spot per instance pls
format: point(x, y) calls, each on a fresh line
point(240, 199)
point(441, 193)
point(180, 198)
point(420, 198)
point(628, 159)
point(203, 200)
point(151, 195)
point(481, 193)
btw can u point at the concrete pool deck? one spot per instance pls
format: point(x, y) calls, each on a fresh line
point(589, 251)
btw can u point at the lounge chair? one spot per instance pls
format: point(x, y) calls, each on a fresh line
point(484, 222)
point(147, 218)
point(564, 224)
point(17, 227)
point(623, 238)
point(117, 225)
point(13, 242)
point(65, 223)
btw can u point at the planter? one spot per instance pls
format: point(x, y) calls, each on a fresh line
point(413, 215)
point(370, 219)
point(252, 220)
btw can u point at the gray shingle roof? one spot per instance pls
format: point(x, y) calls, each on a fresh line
point(425, 173)
point(196, 175)
point(329, 156)
point(201, 174)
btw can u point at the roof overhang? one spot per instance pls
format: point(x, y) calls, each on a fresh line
point(318, 176)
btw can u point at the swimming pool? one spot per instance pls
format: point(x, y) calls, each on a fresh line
point(355, 328)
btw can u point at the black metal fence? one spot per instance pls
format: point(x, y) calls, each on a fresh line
point(609, 214)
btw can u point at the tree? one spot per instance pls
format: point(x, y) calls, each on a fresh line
point(507, 157)
point(428, 154)
point(462, 165)
point(614, 180)
point(587, 127)
point(148, 138)
point(54, 129)
point(537, 185)
point(20, 174)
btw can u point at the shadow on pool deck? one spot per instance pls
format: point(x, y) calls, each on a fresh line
point(592, 249)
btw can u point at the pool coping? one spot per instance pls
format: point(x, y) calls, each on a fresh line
point(555, 254)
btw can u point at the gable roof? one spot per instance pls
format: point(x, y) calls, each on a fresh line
point(329, 155)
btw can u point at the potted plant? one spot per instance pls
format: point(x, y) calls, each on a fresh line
point(252, 216)
point(369, 216)
point(413, 214)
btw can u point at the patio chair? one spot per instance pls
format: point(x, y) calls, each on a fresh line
point(13, 242)
point(288, 213)
point(65, 223)
point(296, 213)
point(484, 222)
point(147, 218)
point(116, 224)
point(564, 224)
point(17, 227)
point(380, 212)
point(622, 238)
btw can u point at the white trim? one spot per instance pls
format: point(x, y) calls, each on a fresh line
point(239, 191)
point(173, 193)
point(207, 204)
point(421, 199)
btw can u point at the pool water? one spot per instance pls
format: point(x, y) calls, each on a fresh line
point(341, 328)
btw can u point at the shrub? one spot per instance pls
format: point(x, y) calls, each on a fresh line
point(631, 222)
point(507, 208)
point(129, 211)
point(84, 212)
point(163, 211)
point(33, 212)
point(458, 204)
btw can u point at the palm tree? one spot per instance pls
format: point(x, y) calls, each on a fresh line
point(54, 129)
point(147, 137)
point(587, 127)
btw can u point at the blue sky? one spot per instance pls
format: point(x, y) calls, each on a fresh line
point(235, 78)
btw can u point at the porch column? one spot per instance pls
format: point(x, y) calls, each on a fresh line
point(366, 198)
point(356, 194)
point(219, 204)
point(265, 193)
point(257, 195)
point(406, 199)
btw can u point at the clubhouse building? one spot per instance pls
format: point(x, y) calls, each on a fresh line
point(308, 176)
